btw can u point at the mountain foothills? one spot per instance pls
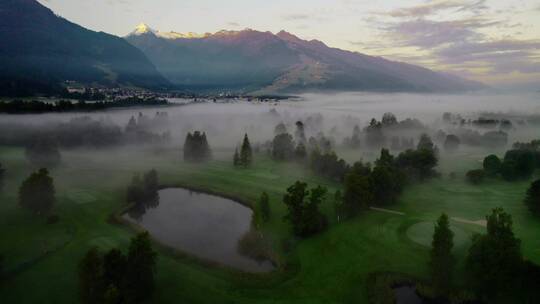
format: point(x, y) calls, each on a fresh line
point(253, 60)
point(40, 51)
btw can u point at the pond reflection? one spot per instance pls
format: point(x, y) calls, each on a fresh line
point(207, 226)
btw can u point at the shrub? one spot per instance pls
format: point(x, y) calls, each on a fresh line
point(492, 165)
point(475, 176)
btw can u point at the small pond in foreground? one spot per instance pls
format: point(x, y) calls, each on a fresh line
point(203, 225)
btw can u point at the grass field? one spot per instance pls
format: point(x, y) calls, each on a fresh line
point(41, 259)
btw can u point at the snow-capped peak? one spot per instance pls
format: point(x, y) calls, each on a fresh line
point(142, 28)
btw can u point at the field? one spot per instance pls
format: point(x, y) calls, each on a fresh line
point(41, 259)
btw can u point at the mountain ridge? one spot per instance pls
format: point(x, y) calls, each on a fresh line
point(45, 50)
point(306, 65)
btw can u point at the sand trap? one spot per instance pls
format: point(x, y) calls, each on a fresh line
point(482, 223)
point(387, 211)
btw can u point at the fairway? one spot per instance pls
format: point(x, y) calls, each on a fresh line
point(91, 189)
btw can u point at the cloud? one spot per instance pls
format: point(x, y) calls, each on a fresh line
point(430, 8)
point(232, 23)
point(454, 35)
point(295, 17)
point(428, 34)
point(503, 56)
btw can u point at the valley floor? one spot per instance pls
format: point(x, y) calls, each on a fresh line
point(332, 267)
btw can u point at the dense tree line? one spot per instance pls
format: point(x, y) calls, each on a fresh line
point(86, 132)
point(366, 186)
point(35, 106)
point(196, 147)
point(303, 209)
point(37, 192)
point(117, 278)
point(518, 163)
point(495, 269)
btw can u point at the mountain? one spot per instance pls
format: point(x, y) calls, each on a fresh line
point(41, 50)
point(263, 62)
point(245, 60)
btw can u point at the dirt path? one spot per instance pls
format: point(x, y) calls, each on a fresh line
point(387, 211)
point(482, 223)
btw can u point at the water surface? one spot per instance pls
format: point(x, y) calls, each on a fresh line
point(206, 226)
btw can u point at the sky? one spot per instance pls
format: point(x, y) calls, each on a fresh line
point(493, 41)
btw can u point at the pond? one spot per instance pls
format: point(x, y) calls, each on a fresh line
point(203, 225)
point(407, 295)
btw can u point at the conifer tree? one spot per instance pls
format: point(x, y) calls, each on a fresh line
point(442, 261)
point(246, 154)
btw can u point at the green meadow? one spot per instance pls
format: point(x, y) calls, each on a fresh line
point(41, 259)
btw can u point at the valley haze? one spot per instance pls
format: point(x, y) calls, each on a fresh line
point(351, 151)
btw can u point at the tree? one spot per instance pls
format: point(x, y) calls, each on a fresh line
point(114, 267)
point(236, 158)
point(246, 155)
point(358, 192)
point(304, 214)
point(283, 147)
point(389, 119)
point(299, 134)
point(386, 185)
point(425, 143)
point(532, 198)
point(374, 134)
point(451, 143)
point(91, 287)
point(355, 138)
point(196, 147)
point(385, 159)
point(442, 262)
point(141, 264)
point(264, 207)
point(492, 165)
point(151, 184)
point(475, 176)
point(37, 192)
point(518, 164)
point(494, 260)
point(143, 193)
point(418, 163)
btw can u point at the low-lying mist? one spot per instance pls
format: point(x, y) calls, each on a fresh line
point(333, 117)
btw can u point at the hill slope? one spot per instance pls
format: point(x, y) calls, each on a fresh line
point(250, 60)
point(40, 50)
